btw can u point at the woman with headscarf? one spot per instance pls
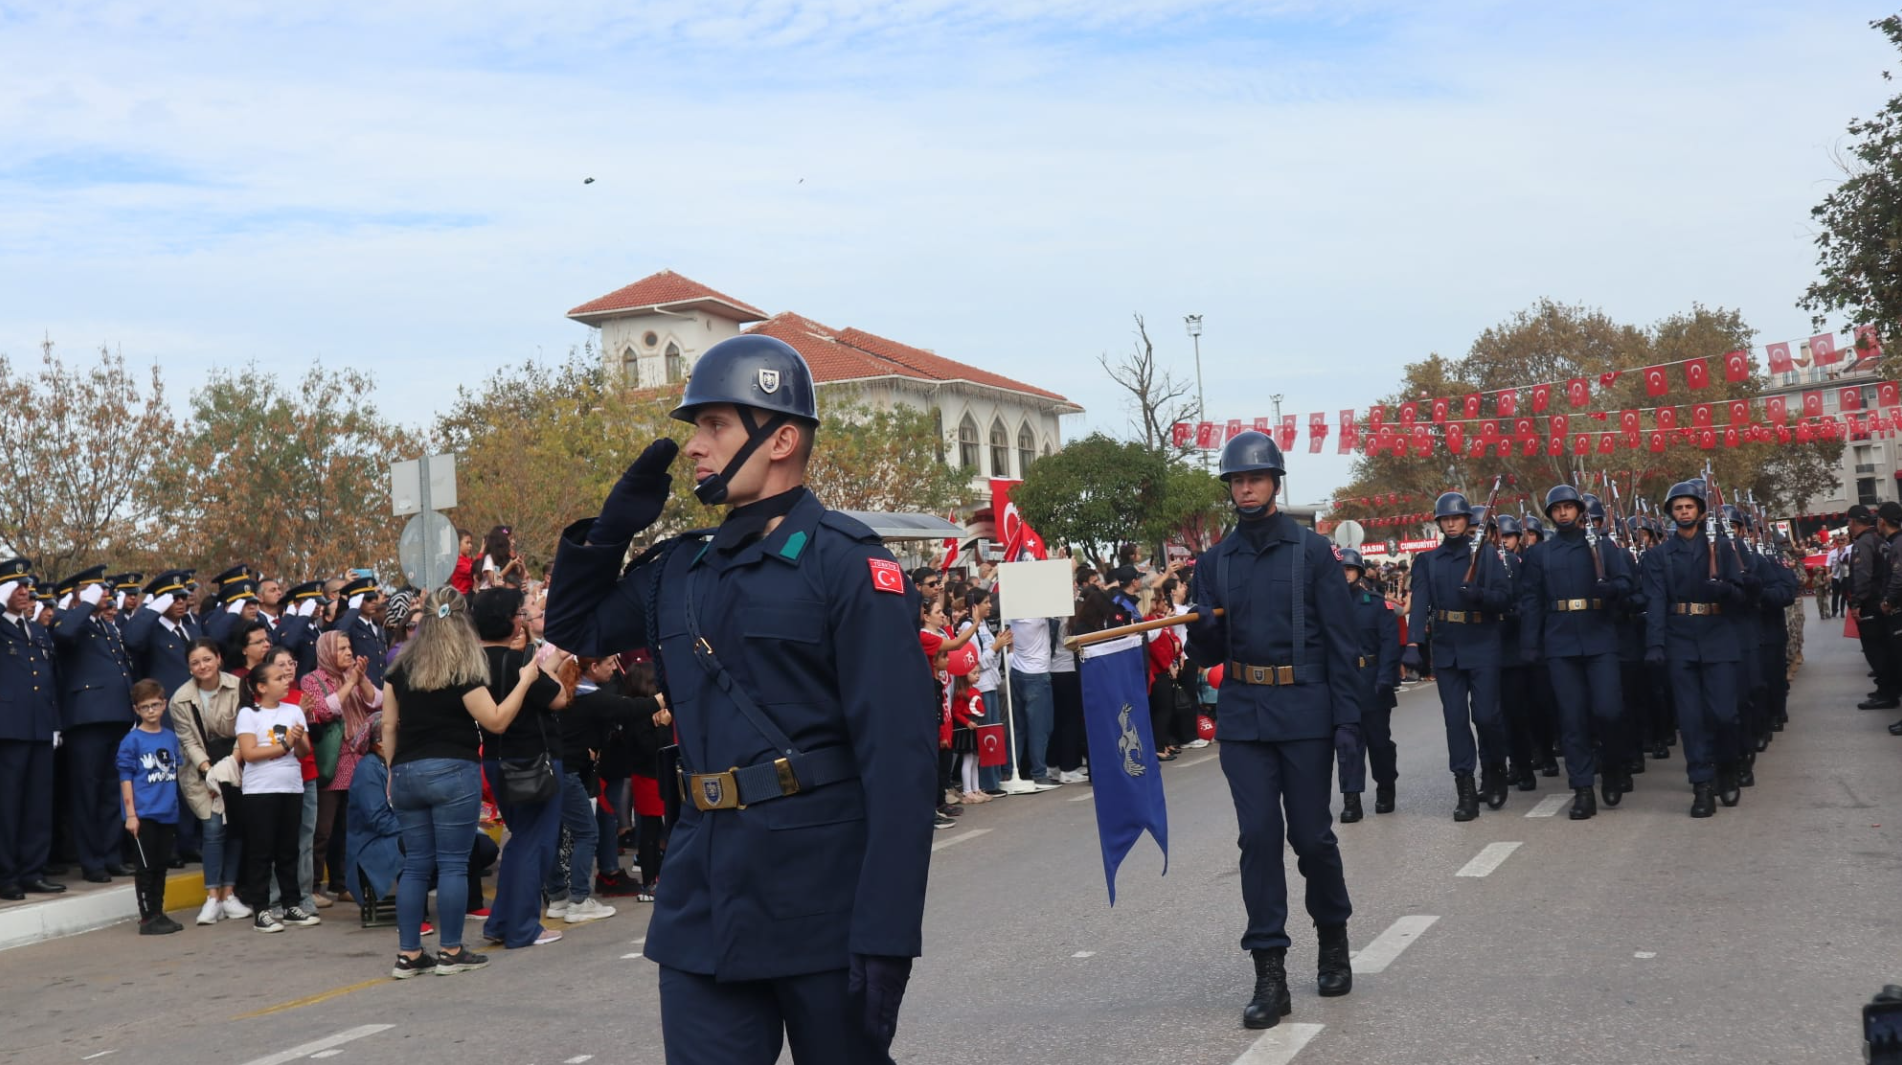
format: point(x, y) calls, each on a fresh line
point(337, 694)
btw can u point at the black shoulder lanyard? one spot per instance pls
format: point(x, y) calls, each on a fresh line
point(716, 672)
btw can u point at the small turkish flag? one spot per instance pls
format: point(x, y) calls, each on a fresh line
point(1780, 361)
point(1700, 414)
point(887, 576)
point(1606, 444)
point(1655, 381)
point(1577, 392)
point(1783, 435)
point(1582, 444)
point(1489, 430)
point(1849, 399)
point(1455, 438)
point(1350, 434)
point(1886, 394)
point(1730, 436)
point(1205, 434)
point(1775, 410)
point(1868, 342)
point(1180, 433)
point(1409, 413)
point(1804, 434)
point(1740, 412)
point(1555, 445)
point(1440, 408)
point(1697, 373)
point(1234, 429)
point(1706, 438)
point(1812, 404)
point(1529, 446)
point(1628, 421)
point(1377, 415)
point(1471, 405)
point(1523, 428)
point(1286, 433)
point(1541, 398)
point(1823, 350)
point(1422, 441)
point(1667, 417)
point(1262, 426)
point(1657, 440)
point(1508, 402)
point(1631, 440)
point(1558, 425)
point(1737, 366)
point(1608, 378)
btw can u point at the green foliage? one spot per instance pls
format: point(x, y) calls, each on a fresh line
point(1859, 238)
point(1098, 493)
point(869, 458)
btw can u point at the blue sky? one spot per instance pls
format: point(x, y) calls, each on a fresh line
point(1338, 188)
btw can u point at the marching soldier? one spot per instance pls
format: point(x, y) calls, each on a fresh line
point(794, 897)
point(1462, 589)
point(1516, 704)
point(95, 674)
point(1286, 709)
point(1778, 590)
point(1379, 637)
point(29, 722)
point(1568, 590)
point(1686, 595)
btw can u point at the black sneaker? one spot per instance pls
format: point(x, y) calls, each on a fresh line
point(266, 921)
point(461, 961)
point(407, 967)
point(943, 822)
point(296, 916)
point(997, 793)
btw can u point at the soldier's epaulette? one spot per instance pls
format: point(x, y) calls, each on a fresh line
point(850, 526)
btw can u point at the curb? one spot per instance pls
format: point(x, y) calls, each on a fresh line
point(70, 915)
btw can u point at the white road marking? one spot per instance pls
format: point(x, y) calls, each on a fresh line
point(101, 1054)
point(1198, 761)
point(1646, 954)
point(1488, 859)
point(283, 1057)
point(1279, 1045)
point(578, 1059)
point(1084, 954)
point(636, 942)
point(1085, 797)
point(628, 957)
point(326, 1053)
point(970, 833)
point(1376, 956)
point(1549, 806)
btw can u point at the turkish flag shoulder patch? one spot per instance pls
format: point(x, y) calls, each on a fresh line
point(887, 576)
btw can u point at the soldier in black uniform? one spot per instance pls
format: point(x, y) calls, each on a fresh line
point(1516, 704)
point(793, 900)
point(1378, 630)
point(29, 719)
point(95, 673)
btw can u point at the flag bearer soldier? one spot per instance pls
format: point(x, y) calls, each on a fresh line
point(1287, 707)
point(794, 897)
point(1462, 587)
point(95, 674)
point(29, 721)
point(1378, 633)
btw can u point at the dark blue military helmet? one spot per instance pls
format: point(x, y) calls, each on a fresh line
point(751, 371)
point(1562, 493)
point(1451, 505)
point(1251, 452)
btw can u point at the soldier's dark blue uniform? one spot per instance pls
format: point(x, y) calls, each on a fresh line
point(298, 627)
point(1465, 621)
point(1288, 646)
point(800, 857)
point(1566, 611)
point(1686, 632)
point(159, 640)
point(1377, 632)
point(95, 673)
point(29, 716)
point(366, 636)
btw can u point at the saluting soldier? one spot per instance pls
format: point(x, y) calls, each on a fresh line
point(362, 621)
point(1377, 629)
point(162, 630)
point(29, 720)
point(1465, 614)
point(234, 603)
point(125, 595)
point(1286, 708)
point(298, 624)
point(793, 902)
point(95, 713)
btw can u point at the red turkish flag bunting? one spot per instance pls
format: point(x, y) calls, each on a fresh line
point(1261, 425)
point(1558, 425)
point(1730, 436)
point(1409, 413)
point(1783, 434)
point(1740, 412)
point(1868, 342)
point(1628, 421)
point(1377, 415)
point(1697, 373)
point(1666, 417)
point(1606, 444)
point(1205, 434)
point(1849, 398)
point(1508, 402)
point(1737, 366)
point(1555, 445)
point(1823, 350)
point(1440, 408)
point(1577, 392)
point(1529, 446)
point(1541, 398)
point(1657, 440)
point(1350, 433)
point(1700, 414)
point(1582, 444)
point(1804, 434)
point(1886, 394)
point(1471, 405)
point(1780, 361)
point(1775, 410)
point(1422, 441)
point(1656, 383)
point(1489, 430)
point(1180, 432)
point(1631, 440)
point(1455, 438)
point(1608, 378)
point(1523, 428)
point(1812, 404)
point(1317, 432)
point(1234, 429)
point(1707, 438)
point(1286, 433)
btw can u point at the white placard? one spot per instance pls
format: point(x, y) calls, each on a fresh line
point(1037, 589)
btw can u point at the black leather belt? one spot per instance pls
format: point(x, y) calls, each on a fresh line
point(1462, 617)
point(1578, 604)
point(1697, 608)
point(1274, 676)
point(740, 787)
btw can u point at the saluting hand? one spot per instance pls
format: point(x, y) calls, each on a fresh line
point(638, 497)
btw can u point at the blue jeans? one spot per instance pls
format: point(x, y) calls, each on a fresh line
point(578, 818)
point(306, 839)
point(607, 827)
point(1033, 710)
point(990, 776)
point(224, 855)
point(515, 915)
point(437, 802)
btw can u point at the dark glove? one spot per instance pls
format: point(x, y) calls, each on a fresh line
point(1727, 591)
point(1383, 693)
point(876, 986)
point(1410, 656)
point(1601, 588)
point(1528, 655)
point(1206, 625)
point(636, 500)
point(1472, 596)
point(1347, 741)
point(1654, 656)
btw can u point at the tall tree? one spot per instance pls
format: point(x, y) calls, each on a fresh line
point(1859, 238)
point(870, 458)
point(1098, 493)
point(1158, 399)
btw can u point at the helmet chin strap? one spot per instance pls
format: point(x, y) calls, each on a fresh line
point(712, 491)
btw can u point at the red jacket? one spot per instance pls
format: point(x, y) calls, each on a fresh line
point(1165, 647)
point(463, 579)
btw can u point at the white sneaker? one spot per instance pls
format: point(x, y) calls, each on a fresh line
point(549, 935)
point(1196, 744)
point(1071, 776)
point(211, 913)
point(234, 909)
point(588, 909)
point(558, 907)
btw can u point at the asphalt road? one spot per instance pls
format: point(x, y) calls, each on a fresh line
point(1640, 936)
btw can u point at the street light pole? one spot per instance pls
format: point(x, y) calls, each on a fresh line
point(1287, 496)
point(1194, 322)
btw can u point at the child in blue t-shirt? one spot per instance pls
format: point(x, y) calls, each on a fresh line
point(148, 788)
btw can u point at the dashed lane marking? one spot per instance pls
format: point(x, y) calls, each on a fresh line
point(578, 1059)
point(630, 957)
point(1084, 954)
point(1646, 954)
point(1548, 806)
point(1488, 859)
point(1279, 1045)
point(1376, 956)
point(101, 1054)
point(327, 1053)
point(952, 841)
point(348, 1035)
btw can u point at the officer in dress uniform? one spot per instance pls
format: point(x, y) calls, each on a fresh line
point(301, 603)
point(793, 903)
point(162, 630)
point(29, 720)
point(1465, 616)
point(1570, 586)
point(95, 713)
point(1378, 632)
point(1516, 705)
point(1286, 708)
point(290, 629)
point(362, 620)
point(125, 595)
point(1685, 634)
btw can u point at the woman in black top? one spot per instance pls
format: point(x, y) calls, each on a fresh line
point(597, 714)
point(434, 696)
point(531, 740)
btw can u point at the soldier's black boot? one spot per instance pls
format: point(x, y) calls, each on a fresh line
point(1584, 805)
point(1727, 786)
point(1492, 785)
point(1350, 807)
point(1613, 784)
point(1336, 974)
point(1468, 807)
point(1661, 750)
point(1703, 804)
point(1747, 771)
point(1383, 798)
point(1523, 776)
point(1271, 1002)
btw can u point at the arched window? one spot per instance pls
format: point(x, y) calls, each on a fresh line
point(1000, 449)
point(630, 367)
point(1046, 449)
point(967, 443)
point(1026, 448)
point(676, 364)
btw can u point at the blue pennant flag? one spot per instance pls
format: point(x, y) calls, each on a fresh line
point(1124, 772)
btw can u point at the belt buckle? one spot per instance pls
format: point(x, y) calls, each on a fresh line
point(788, 783)
point(1284, 674)
point(714, 791)
point(1258, 675)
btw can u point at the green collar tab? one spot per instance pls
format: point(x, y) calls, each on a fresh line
point(793, 546)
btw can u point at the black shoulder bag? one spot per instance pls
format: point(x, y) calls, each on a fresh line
point(529, 780)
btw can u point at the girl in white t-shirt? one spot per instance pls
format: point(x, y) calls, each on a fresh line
point(271, 740)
